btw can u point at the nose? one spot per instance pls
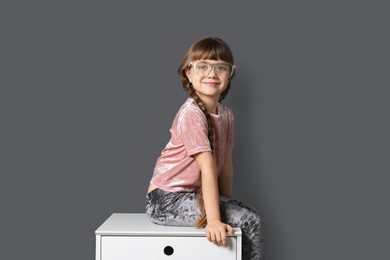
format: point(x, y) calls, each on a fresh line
point(212, 72)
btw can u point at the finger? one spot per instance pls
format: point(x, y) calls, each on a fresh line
point(212, 237)
point(230, 230)
point(218, 238)
point(224, 240)
point(208, 235)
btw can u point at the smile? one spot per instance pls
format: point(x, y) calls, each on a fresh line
point(212, 83)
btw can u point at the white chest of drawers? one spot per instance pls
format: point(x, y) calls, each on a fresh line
point(132, 236)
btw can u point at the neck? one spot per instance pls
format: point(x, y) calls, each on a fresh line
point(211, 103)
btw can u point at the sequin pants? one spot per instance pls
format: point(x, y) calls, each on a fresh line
point(182, 209)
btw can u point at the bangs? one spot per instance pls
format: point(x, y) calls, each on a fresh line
point(212, 50)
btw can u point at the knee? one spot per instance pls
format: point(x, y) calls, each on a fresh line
point(253, 221)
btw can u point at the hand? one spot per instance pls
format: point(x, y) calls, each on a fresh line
point(217, 231)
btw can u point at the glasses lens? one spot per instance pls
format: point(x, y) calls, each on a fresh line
point(202, 67)
point(222, 69)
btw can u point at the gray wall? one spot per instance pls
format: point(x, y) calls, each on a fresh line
point(89, 90)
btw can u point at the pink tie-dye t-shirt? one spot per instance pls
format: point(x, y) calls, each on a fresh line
point(176, 169)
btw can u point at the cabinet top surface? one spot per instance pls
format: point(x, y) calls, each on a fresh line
point(138, 224)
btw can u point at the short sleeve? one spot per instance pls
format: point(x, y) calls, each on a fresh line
point(192, 130)
point(230, 136)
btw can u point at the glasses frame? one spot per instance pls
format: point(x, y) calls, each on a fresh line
point(193, 64)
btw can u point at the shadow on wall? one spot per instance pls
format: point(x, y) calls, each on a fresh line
point(243, 99)
point(386, 139)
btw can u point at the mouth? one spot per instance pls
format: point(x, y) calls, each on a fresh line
point(212, 83)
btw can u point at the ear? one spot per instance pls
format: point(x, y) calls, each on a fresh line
point(188, 73)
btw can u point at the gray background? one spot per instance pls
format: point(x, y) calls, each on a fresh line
point(89, 91)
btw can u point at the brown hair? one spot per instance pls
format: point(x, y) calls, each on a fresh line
point(209, 49)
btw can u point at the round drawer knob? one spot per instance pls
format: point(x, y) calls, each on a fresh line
point(168, 250)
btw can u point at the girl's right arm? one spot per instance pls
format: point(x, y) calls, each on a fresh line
point(216, 231)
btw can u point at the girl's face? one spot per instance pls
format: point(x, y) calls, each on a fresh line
point(209, 77)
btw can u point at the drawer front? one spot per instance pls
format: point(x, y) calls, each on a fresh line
point(173, 248)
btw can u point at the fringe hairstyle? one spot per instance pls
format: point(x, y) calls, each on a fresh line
point(210, 49)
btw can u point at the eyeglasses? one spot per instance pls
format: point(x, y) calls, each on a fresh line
point(203, 68)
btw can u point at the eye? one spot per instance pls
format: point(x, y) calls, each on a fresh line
point(202, 66)
point(221, 67)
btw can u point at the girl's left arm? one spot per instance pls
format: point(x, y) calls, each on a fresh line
point(216, 230)
point(225, 180)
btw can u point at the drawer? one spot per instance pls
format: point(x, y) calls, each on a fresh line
point(156, 248)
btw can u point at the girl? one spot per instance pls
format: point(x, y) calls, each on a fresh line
point(192, 180)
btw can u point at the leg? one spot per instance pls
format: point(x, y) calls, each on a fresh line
point(182, 209)
point(237, 214)
point(173, 208)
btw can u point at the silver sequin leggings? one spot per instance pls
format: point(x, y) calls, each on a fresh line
point(182, 209)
